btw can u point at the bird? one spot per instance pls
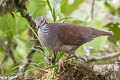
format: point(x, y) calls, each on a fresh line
point(65, 37)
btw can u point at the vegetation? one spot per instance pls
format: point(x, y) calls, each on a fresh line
point(16, 40)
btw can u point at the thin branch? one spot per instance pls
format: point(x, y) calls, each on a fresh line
point(63, 19)
point(4, 58)
point(12, 56)
point(104, 57)
point(29, 18)
point(92, 9)
point(24, 13)
point(28, 61)
point(30, 54)
point(8, 52)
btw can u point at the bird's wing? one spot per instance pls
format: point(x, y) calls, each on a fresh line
point(70, 34)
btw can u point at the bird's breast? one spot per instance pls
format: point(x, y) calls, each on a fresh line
point(49, 41)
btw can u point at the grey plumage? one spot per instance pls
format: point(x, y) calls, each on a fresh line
point(65, 37)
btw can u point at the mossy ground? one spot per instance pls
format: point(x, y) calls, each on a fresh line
point(73, 71)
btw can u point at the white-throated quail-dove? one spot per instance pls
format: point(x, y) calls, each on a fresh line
point(65, 37)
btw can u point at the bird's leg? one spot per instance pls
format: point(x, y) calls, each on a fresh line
point(54, 57)
point(62, 63)
point(71, 55)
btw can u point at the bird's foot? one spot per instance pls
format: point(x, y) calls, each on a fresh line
point(62, 61)
point(71, 55)
point(61, 67)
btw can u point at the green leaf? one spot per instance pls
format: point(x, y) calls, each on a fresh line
point(77, 22)
point(21, 24)
point(37, 8)
point(12, 25)
point(49, 5)
point(51, 67)
point(54, 14)
point(68, 9)
point(115, 28)
point(110, 8)
point(52, 9)
point(7, 25)
point(64, 6)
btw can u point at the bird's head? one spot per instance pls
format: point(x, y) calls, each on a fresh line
point(40, 21)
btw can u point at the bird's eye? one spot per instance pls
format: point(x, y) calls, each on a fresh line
point(38, 27)
point(41, 21)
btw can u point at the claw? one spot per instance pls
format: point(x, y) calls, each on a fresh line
point(62, 67)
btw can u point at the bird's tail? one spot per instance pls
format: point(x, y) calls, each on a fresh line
point(102, 33)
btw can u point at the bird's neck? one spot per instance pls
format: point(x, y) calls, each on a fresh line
point(45, 28)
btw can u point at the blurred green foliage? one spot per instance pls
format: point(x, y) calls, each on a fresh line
point(115, 28)
point(78, 11)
